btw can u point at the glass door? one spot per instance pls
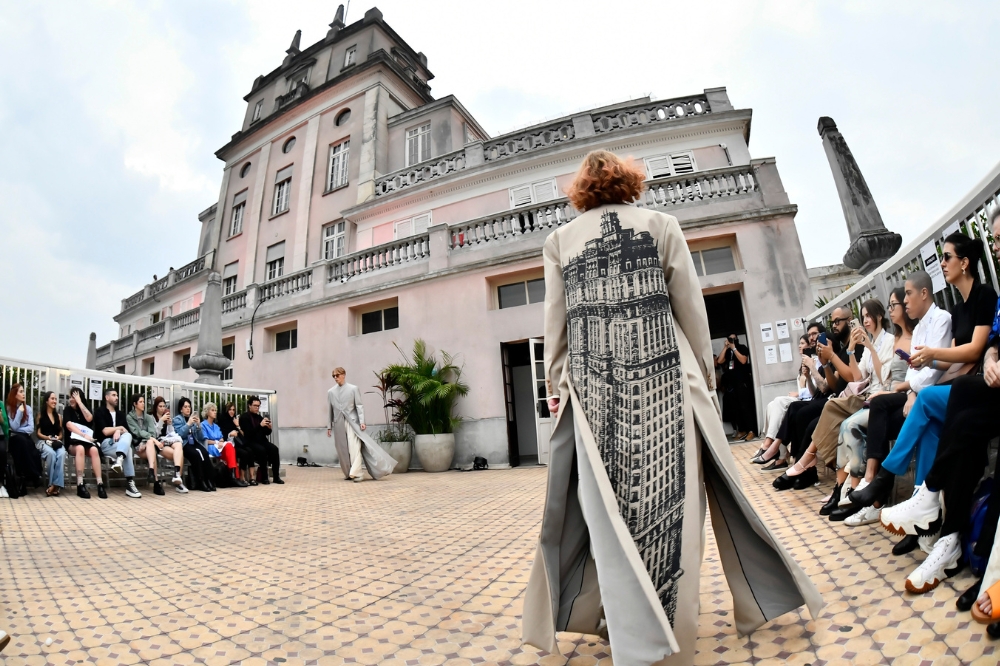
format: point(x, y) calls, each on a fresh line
point(543, 419)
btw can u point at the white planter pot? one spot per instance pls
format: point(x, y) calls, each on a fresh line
point(401, 453)
point(435, 452)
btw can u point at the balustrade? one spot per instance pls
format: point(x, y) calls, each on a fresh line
point(234, 302)
point(104, 351)
point(405, 250)
point(188, 270)
point(133, 300)
point(284, 286)
point(186, 319)
point(511, 224)
point(535, 138)
point(715, 184)
point(124, 343)
point(158, 286)
point(153, 331)
point(651, 112)
point(420, 173)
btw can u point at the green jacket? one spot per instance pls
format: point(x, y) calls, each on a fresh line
point(141, 429)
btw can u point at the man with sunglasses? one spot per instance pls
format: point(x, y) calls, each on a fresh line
point(738, 407)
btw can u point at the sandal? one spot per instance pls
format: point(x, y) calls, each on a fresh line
point(980, 616)
point(52, 491)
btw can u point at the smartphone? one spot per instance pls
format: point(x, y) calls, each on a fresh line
point(903, 355)
point(855, 323)
point(822, 338)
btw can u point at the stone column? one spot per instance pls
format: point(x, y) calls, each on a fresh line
point(209, 362)
point(92, 352)
point(871, 243)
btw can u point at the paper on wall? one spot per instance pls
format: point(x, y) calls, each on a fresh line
point(785, 351)
point(781, 326)
point(770, 354)
point(76, 381)
point(766, 332)
point(95, 389)
point(264, 404)
point(797, 324)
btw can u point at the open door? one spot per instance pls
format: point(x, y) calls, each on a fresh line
point(508, 396)
point(543, 419)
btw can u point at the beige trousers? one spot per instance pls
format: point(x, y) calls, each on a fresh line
point(354, 445)
point(827, 433)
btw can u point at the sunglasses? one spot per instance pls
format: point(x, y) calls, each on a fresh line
point(947, 256)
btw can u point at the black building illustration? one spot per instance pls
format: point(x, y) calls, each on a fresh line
point(626, 369)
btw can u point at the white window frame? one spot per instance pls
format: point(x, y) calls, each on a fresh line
point(227, 374)
point(335, 240)
point(351, 56)
point(258, 109)
point(337, 170)
point(229, 286)
point(281, 192)
point(533, 193)
point(274, 269)
point(413, 226)
point(236, 223)
point(672, 164)
point(420, 139)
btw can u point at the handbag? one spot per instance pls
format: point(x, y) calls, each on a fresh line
point(856, 388)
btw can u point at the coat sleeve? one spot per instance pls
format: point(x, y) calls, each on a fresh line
point(329, 405)
point(686, 301)
point(359, 405)
point(556, 345)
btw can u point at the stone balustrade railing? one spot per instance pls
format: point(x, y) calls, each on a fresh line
point(526, 141)
point(398, 252)
point(511, 224)
point(124, 343)
point(699, 186)
point(234, 302)
point(651, 112)
point(133, 300)
point(186, 318)
point(152, 331)
point(104, 352)
point(187, 270)
point(173, 277)
point(159, 285)
point(420, 173)
point(286, 285)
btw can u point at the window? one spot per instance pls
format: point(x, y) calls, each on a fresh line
point(337, 173)
point(154, 318)
point(282, 186)
point(288, 145)
point(418, 144)
point(413, 226)
point(670, 165)
point(186, 361)
point(229, 278)
point(275, 261)
point(244, 170)
point(342, 117)
point(380, 320)
point(239, 206)
point(351, 56)
point(334, 240)
point(533, 193)
point(149, 367)
point(258, 107)
point(521, 293)
point(715, 260)
point(229, 351)
point(286, 340)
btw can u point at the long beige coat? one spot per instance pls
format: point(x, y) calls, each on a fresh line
point(637, 447)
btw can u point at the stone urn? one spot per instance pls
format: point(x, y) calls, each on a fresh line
point(401, 452)
point(435, 452)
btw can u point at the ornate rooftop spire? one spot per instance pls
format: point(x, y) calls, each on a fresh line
point(293, 50)
point(338, 23)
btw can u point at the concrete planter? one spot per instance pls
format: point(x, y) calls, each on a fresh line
point(401, 453)
point(435, 452)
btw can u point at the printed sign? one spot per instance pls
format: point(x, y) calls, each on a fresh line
point(781, 326)
point(76, 381)
point(95, 389)
point(797, 324)
point(766, 332)
point(952, 228)
point(932, 264)
point(264, 406)
point(770, 354)
point(785, 351)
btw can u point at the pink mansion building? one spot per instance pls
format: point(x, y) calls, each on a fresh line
point(357, 212)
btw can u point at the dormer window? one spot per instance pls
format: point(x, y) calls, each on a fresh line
point(301, 76)
point(257, 109)
point(418, 144)
point(351, 56)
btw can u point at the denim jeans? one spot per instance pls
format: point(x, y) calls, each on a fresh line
point(920, 433)
point(54, 461)
point(110, 448)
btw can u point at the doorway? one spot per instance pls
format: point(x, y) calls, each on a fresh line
point(526, 428)
point(726, 316)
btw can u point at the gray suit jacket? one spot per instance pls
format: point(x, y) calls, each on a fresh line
point(345, 399)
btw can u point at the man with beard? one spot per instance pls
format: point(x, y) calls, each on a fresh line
point(802, 417)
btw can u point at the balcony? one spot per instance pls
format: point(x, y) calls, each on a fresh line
point(173, 278)
point(707, 197)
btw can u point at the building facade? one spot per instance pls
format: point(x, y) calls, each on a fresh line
point(357, 213)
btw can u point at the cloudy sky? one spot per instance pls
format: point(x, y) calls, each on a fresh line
point(110, 112)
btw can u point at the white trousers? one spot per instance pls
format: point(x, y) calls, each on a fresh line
point(775, 413)
point(354, 446)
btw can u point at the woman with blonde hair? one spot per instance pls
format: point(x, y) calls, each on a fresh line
point(637, 430)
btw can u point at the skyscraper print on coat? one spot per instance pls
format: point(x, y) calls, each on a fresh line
point(638, 452)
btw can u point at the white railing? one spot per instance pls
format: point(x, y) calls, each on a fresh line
point(525, 141)
point(152, 331)
point(396, 253)
point(187, 270)
point(511, 224)
point(182, 273)
point(159, 285)
point(234, 302)
point(651, 112)
point(286, 285)
point(134, 299)
point(970, 216)
point(420, 173)
point(192, 316)
point(699, 186)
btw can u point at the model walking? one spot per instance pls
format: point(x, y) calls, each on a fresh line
point(355, 449)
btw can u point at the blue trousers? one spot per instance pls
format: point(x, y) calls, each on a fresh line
point(55, 460)
point(920, 433)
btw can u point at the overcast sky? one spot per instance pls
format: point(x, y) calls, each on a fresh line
point(110, 114)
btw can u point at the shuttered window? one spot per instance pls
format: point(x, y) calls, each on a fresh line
point(413, 226)
point(275, 261)
point(533, 193)
point(229, 278)
point(239, 206)
point(675, 164)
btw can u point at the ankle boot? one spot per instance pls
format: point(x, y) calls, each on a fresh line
point(905, 545)
point(876, 491)
point(833, 502)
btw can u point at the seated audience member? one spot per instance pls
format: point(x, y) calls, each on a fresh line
point(173, 446)
point(187, 425)
point(231, 431)
point(851, 452)
point(217, 444)
point(143, 429)
point(79, 421)
point(27, 460)
point(776, 409)
point(116, 441)
point(776, 449)
point(49, 435)
point(802, 418)
point(257, 429)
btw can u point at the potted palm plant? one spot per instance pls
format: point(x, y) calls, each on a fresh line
point(395, 438)
point(429, 389)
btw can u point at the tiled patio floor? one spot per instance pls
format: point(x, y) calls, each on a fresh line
point(418, 569)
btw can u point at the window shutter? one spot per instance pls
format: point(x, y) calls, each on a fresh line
point(544, 191)
point(411, 150)
point(520, 196)
point(240, 198)
point(658, 167)
point(284, 174)
point(230, 270)
point(682, 163)
point(421, 222)
point(276, 251)
point(404, 228)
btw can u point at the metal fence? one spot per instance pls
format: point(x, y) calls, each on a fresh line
point(37, 379)
point(969, 216)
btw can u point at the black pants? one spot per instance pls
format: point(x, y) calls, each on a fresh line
point(27, 457)
point(885, 419)
point(963, 452)
point(266, 454)
point(800, 421)
point(738, 405)
point(198, 460)
point(245, 456)
point(3, 458)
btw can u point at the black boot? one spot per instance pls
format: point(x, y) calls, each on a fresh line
point(237, 480)
point(964, 602)
point(806, 479)
point(905, 545)
point(876, 491)
point(828, 508)
point(842, 512)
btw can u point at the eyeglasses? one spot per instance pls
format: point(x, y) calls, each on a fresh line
point(840, 321)
point(894, 305)
point(947, 256)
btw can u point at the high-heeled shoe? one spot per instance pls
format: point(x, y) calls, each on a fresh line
point(761, 460)
point(964, 602)
point(806, 479)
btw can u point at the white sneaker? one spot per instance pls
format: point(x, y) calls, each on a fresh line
point(921, 514)
point(843, 494)
point(177, 480)
point(927, 542)
point(131, 490)
point(866, 516)
point(3, 493)
point(180, 487)
point(940, 564)
point(116, 466)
